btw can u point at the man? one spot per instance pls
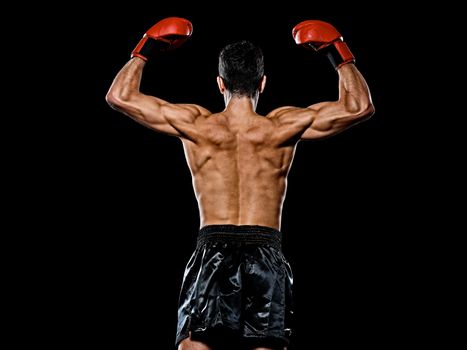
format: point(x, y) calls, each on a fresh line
point(237, 285)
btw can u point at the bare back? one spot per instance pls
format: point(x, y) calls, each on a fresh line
point(239, 160)
point(239, 171)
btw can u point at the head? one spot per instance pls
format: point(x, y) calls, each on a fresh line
point(241, 70)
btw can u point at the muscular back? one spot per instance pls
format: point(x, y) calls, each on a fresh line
point(239, 160)
point(239, 170)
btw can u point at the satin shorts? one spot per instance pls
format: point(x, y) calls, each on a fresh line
point(237, 289)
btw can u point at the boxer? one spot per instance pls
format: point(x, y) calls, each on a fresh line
point(237, 288)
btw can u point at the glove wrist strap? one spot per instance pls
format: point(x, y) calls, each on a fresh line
point(338, 53)
point(149, 47)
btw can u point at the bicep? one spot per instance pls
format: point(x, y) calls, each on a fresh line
point(329, 119)
point(314, 122)
point(290, 123)
point(162, 116)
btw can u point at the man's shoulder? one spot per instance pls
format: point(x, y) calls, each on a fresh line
point(195, 110)
point(279, 112)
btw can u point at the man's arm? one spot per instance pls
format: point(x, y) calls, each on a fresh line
point(125, 96)
point(353, 106)
point(155, 113)
point(327, 118)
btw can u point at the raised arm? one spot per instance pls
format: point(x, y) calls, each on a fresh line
point(353, 106)
point(124, 95)
point(327, 118)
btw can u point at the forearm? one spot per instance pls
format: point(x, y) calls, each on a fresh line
point(354, 93)
point(127, 81)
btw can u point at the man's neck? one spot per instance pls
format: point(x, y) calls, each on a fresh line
point(240, 104)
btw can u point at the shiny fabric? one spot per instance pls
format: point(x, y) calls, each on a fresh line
point(237, 289)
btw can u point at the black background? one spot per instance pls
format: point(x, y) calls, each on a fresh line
point(123, 194)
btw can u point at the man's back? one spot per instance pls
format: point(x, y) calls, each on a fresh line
point(239, 160)
point(239, 169)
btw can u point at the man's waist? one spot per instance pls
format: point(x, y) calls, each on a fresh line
point(240, 234)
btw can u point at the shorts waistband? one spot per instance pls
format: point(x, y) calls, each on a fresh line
point(244, 234)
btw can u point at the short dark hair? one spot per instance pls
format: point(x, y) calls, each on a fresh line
point(241, 66)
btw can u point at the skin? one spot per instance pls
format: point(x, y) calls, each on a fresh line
point(239, 160)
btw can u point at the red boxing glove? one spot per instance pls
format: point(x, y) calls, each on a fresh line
point(322, 36)
point(166, 34)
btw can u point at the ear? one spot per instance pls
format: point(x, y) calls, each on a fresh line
point(262, 84)
point(220, 84)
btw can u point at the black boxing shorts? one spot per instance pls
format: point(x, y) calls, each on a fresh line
point(237, 289)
